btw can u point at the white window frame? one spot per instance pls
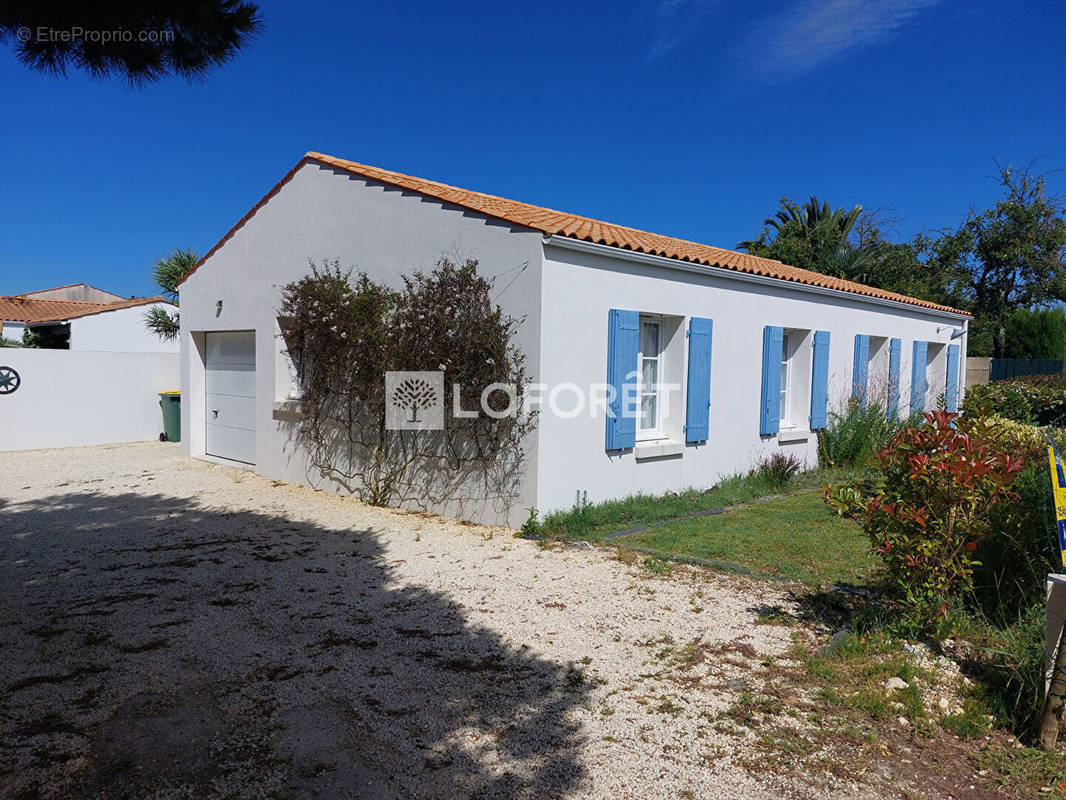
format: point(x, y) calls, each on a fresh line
point(656, 432)
point(785, 396)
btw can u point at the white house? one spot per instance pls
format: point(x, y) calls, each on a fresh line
point(731, 357)
point(103, 323)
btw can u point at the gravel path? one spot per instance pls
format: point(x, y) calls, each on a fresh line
point(177, 629)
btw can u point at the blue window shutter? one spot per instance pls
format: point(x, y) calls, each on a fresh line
point(820, 380)
point(860, 373)
point(770, 408)
point(951, 393)
point(893, 377)
point(918, 377)
point(622, 376)
point(698, 403)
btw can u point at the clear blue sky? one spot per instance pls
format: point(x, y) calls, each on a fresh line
point(681, 117)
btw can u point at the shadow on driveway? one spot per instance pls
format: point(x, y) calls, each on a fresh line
point(153, 648)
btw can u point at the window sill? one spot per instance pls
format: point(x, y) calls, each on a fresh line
point(659, 448)
point(288, 409)
point(787, 435)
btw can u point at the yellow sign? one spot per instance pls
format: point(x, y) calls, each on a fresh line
point(1058, 484)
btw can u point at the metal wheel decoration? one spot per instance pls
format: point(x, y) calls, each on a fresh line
point(9, 380)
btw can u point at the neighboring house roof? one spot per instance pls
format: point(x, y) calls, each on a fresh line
point(559, 223)
point(71, 290)
point(26, 309)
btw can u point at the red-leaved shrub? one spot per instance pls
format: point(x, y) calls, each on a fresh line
point(931, 509)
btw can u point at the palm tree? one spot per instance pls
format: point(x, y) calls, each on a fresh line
point(812, 214)
point(850, 263)
point(805, 235)
point(167, 273)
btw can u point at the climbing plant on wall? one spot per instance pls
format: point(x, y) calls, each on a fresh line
point(344, 331)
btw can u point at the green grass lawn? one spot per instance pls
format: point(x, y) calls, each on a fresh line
point(793, 536)
point(592, 522)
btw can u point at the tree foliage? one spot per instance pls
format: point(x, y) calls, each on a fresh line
point(167, 273)
point(181, 37)
point(1036, 333)
point(47, 337)
point(1012, 255)
point(806, 236)
point(1009, 257)
point(345, 332)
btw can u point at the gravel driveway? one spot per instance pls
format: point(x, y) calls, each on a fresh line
point(177, 629)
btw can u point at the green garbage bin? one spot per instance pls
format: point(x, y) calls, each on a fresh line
point(170, 402)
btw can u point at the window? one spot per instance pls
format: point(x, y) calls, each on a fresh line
point(787, 372)
point(871, 365)
point(649, 379)
point(786, 353)
point(936, 374)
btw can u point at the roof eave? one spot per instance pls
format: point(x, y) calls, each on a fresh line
point(610, 251)
point(350, 167)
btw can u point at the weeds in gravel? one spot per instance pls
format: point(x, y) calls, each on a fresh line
point(970, 723)
point(1028, 767)
point(851, 716)
point(657, 566)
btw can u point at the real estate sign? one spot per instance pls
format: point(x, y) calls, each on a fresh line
point(1058, 484)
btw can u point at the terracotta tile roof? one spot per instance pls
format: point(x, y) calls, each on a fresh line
point(559, 223)
point(27, 309)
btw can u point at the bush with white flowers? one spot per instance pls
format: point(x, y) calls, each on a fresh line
point(344, 331)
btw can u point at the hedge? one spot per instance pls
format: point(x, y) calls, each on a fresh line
point(1034, 400)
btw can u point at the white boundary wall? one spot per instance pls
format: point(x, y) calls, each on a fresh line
point(69, 398)
point(122, 330)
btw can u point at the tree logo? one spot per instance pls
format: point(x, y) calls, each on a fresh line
point(414, 401)
point(414, 393)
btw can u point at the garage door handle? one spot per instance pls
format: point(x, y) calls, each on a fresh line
point(215, 412)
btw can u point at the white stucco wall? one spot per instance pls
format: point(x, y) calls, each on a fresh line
point(120, 331)
point(12, 330)
point(325, 214)
point(578, 290)
point(68, 398)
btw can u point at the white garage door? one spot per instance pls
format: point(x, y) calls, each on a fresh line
point(231, 395)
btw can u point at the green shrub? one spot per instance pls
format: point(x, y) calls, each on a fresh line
point(1016, 438)
point(1016, 560)
point(1035, 400)
point(932, 509)
point(779, 469)
point(855, 434)
point(531, 527)
point(1036, 333)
